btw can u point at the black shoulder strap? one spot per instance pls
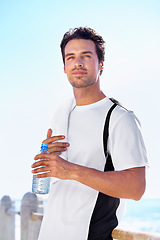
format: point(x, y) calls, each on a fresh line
point(106, 128)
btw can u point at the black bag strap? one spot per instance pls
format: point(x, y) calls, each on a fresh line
point(106, 128)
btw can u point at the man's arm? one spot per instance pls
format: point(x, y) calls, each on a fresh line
point(128, 183)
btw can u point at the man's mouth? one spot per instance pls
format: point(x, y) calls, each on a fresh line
point(79, 72)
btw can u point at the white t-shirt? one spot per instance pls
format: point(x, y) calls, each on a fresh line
point(70, 211)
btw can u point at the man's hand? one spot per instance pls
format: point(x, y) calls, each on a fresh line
point(52, 166)
point(55, 147)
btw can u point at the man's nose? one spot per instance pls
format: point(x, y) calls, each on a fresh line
point(78, 62)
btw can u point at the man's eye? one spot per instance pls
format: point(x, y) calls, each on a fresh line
point(69, 58)
point(87, 56)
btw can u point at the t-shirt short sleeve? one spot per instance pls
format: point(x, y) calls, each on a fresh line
point(125, 144)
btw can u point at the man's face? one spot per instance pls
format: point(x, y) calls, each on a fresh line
point(81, 63)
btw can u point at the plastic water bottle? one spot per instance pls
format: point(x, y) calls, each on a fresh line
point(41, 185)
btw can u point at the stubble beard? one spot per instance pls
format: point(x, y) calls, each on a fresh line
point(81, 82)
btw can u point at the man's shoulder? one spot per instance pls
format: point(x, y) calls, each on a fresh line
point(124, 118)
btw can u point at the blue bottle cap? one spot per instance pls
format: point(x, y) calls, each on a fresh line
point(44, 146)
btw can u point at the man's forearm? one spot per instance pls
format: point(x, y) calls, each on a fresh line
point(121, 184)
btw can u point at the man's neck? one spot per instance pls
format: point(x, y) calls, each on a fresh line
point(85, 96)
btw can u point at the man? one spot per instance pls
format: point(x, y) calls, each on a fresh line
point(87, 200)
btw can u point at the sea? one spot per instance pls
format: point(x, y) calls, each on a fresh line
point(143, 216)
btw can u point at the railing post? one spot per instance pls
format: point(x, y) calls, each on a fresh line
point(29, 227)
point(7, 221)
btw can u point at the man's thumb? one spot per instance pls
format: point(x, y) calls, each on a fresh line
point(49, 133)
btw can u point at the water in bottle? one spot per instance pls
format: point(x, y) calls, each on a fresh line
point(41, 185)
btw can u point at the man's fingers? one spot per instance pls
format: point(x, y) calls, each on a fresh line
point(41, 170)
point(42, 156)
point(59, 145)
point(49, 133)
point(53, 139)
point(40, 164)
point(43, 175)
point(57, 151)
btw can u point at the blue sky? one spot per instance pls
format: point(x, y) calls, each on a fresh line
point(33, 83)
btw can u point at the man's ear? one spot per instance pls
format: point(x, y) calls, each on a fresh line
point(101, 65)
point(64, 69)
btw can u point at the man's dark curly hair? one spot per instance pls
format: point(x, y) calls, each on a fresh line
point(84, 33)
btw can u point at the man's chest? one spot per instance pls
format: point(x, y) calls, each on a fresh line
point(85, 135)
